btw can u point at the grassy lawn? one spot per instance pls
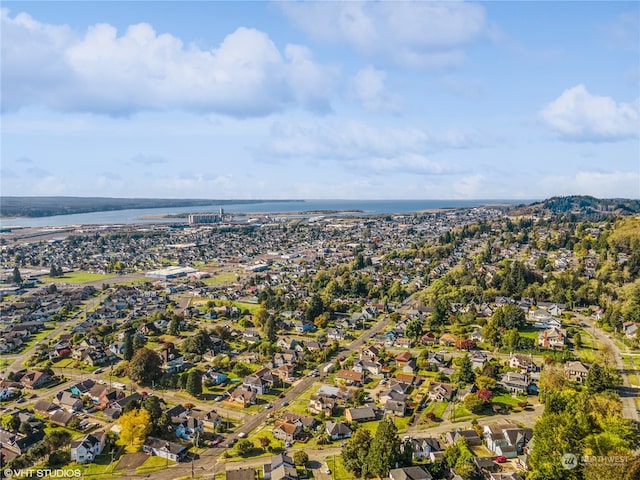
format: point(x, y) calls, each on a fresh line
point(461, 414)
point(153, 464)
point(252, 307)
point(299, 405)
point(73, 433)
point(336, 466)
point(402, 423)
point(437, 408)
point(218, 278)
point(78, 277)
point(102, 467)
point(509, 400)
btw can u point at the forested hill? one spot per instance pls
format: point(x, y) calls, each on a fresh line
point(582, 205)
point(48, 206)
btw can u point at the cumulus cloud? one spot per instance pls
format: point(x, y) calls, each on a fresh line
point(577, 115)
point(105, 71)
point(375, 149)
point(414, 34)
point(369, 89)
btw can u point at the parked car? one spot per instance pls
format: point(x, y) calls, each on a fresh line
point(500, 459)
point(242, 435)
point(285, 403)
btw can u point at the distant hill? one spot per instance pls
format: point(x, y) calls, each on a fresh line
point(49, 206)
point(582, 205)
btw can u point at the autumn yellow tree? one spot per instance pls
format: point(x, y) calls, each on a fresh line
point(134, 428)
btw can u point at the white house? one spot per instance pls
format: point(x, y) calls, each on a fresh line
point(87, 448)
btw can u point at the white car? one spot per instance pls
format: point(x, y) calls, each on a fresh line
point(242, 435)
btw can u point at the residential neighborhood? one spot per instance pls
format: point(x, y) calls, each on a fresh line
point(162, 349)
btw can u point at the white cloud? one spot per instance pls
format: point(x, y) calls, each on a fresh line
point(103, 71)
point(598, 184)
point(367, 148)
point(578, 115)
point(413, 34)
point(368, 87)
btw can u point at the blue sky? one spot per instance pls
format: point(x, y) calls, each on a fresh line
point(373, 100)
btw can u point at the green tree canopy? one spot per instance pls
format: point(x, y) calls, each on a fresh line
point(144, 367)
point(385, 449)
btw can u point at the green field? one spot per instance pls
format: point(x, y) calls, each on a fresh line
point(218, 278)
point(100, 468)
point(252, 307)
point(78, 277)
point(509, 400)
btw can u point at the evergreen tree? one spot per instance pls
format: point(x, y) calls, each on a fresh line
point(465, 370)
point(16, 277)
point(355, 452)
point(385, 449)
point(128, 347)
point(174, 326)
point(270, 329)
point(194, 383)
point(314, 309)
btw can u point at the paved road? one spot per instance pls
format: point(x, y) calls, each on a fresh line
point(628, 392)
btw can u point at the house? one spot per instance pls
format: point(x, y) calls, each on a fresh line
point(69, 401)
point(280, 467)
point(576, 371)
point(189, 428)
point(216, 378)
point(87, 448)
point(360, 414)
point(336, 334)
point(515, 382)
point(61, 417)
point(244, 397)
point(630, 329)
point(116, 408)
point(396, 408)
point(524, 363)
point(476, 335)
point(440, 391)
point(286, 431)
point(448, 339)
point(304, 421)
point(255, 384)
point(44, 407)
point(409, 473)
point(82, 388)
point(471, 437)
point(507, 439)
point(552, 338)
point(248, 473)
point(172, 361)
point(350, 377)
point(337, 430)
point(423, 447)
point(208, 419)
point(284, 472)
point(34, 379)
point(402, 342)
point(478, 359)
point(370, 353)
point(165, 449)
point(319, 403)
point(402, 358)
point(428, 338)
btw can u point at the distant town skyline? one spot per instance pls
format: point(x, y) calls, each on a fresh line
point(320, 100)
